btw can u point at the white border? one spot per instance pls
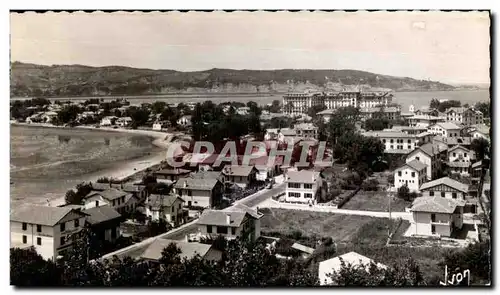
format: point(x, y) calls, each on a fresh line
point(152, 5)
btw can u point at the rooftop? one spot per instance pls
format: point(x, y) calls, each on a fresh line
point(101, 214)
point(232, 170)
point(435, 204)
point(388, 134)
point(109, 194)
point(157, 201)
point(219, 217)
point(303, 176)
point(416, 165)
point(196, 183)
point(38, 214)
point(446, 181)
point(447, 125)
point(188, 250)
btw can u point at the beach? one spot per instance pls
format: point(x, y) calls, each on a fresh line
point(52, 191)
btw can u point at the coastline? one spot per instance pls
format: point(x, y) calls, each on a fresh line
point(128, 170)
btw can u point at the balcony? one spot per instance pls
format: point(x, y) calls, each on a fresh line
point(439, 222)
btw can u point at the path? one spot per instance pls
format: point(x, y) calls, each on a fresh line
point(275, 204)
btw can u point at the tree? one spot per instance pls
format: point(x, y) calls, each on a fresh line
point(82, 190)
point(377, 124)
point(68, 114)
point(481, 147)
point(158, 106)
point(28, 268)
point(275, 106)
point(342, 122)
point(485, 108)
point(312, 111)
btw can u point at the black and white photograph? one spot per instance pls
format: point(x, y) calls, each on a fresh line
point(250, 148)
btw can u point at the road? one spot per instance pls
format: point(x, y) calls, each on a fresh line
point(180, 233)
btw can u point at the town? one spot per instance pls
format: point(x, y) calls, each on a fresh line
point(384, 181)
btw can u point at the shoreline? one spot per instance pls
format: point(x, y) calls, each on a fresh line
point(125, 172)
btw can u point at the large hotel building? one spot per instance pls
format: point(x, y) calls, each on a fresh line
point(299, 103)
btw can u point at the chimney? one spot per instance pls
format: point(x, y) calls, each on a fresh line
point(228, 219)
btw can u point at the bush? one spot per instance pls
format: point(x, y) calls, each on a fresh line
point(370, 185)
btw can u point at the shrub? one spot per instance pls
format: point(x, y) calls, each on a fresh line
point(370, 185)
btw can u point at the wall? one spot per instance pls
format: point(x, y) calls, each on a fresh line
point(198, 198)
point(90, 202)
point(46, 250)
point(458, 153)
point(423, 225)
point(448, 195)
point(406, 178)
point(302, 191)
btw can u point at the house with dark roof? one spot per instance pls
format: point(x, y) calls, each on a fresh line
point(122, 201)
point(232, 222)
point(199, 192)
point(153, 252)
point(452, 141)
point(242, 176)
point(480, 131)
point(104, 222)
point(445, 187)
point(429, 154)
point(168, 208)
point(138, 190)
point(436, 216)
point(50, 230)
point(412, 174)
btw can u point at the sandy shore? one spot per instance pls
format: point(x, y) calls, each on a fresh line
point(130, 168)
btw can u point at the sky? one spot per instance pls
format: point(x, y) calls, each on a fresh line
point(451, 47)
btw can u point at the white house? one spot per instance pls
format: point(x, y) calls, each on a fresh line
point(460, 159)
point(242, 176)
point(157, 126)
point(465, 116)
point(445, 129)
point(153, 252)
point(123, 121)
point(238, 221)
point(430, 155)
point(394, 141)
point(167, 208)
point(436, 216)
point(184, 121)
point(48, 229)
point(423, 120)
point(307, 130)
point(328, 267)
point(412, 174)
point(303, 186)
point(119, 200)
point(200, 192)
point(108, 120)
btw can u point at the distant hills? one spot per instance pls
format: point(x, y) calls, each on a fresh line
point(31, 80)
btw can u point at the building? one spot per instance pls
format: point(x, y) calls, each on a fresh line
point(242, 176)
point(331, 265)
point(445, 129)
point(172, 174)
point(104, 222)
point(306, 130)
point(121, 201)
point(430, 155)
point(123, 121)
point(167, 208)
point(436, 216)
point(50, 230)
point(424, 120)
point(427, 111)
point(303, 186)
point(237, 221)
point(153, 252)
point(460, 159)
point(464, 116)
point(395, 142)
point(108, 121)
point(157, 126)
point(197, 192)
point(326, 114)
point(184, 121)
point(391, 113)
point(138, 190)
point(445, 187)
point(480, 131)
point(299, 103)
point(450, 142)
point(412, 174)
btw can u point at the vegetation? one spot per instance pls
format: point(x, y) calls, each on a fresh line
point(377, 124)
point(76, 198)
point(443, 106)
point(481, 147)
point(405, 194)
point(485, 108)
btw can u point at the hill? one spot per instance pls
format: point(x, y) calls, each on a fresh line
point(28, 80)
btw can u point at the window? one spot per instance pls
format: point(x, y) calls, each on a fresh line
point(77, 222)
point(97, 203)
point(392, 147)
point(308, 185)
point(442, 194)
point(433, 229)
point(190, 193)
point(294, 195)
point(222, 230)
point(172, 209)
point(25, 239)
point(431, 193)
point(293, 185)
point(409, 140)
point(433, 217)
point(39, 241)
point(209, 229)
point(123, 199)
point(308, 195)
point(418, 158)
point(454, 154)
point(383, 140)
point(413, 174)
point(233, 231)
point(113, 233)
point(38, 228)
point(465, 155)
point(25, 226)
point(454, 195)
point(63, 226)
point(62, 241)
point(113, 203)
point(392, 140)
point(118, 201)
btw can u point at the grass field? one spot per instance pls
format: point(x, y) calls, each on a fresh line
point(362, 234)
point(375, 201)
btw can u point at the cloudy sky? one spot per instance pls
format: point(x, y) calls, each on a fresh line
point(449, 47)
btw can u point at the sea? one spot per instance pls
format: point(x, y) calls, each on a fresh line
point(46, 162)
